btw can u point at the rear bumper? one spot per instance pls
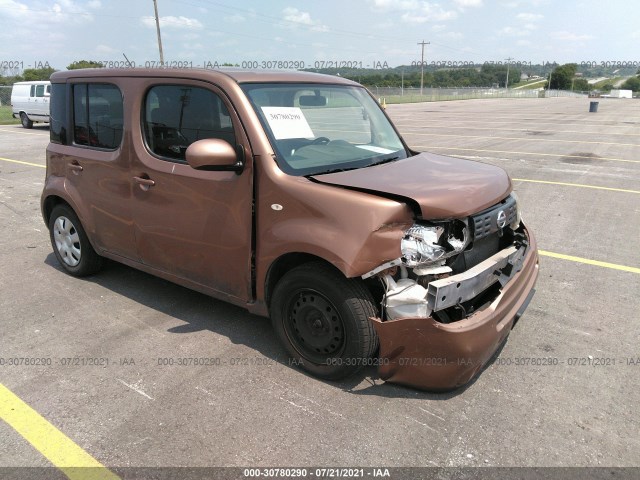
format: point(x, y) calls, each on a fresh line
point(426, 354)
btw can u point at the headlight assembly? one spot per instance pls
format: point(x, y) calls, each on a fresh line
point(516, 222)
point(424, 245)
point(420, 245)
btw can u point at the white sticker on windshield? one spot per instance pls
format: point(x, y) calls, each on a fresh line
point(375, 149)
point(287, 122)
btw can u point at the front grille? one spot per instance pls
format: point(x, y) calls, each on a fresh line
point(486, 223)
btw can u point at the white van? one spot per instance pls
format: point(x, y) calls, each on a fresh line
point(30, 102)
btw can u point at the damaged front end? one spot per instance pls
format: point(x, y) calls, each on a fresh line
point(453, 296)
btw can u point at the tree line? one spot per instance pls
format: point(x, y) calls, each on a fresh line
point(562, 77)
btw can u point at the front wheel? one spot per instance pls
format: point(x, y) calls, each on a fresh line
point(26, 123)
point(322, 319)
point(71, 244)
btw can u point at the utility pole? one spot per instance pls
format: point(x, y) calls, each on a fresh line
point(423, 43)
point(155, 8)
point(506, 84)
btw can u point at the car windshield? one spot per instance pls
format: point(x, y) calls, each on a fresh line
point(317, 128)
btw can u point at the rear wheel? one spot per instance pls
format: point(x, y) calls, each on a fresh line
point(322, 319)
point(26, 123)
point(71, 244)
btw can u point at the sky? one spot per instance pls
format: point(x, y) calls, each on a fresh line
point(367, 33)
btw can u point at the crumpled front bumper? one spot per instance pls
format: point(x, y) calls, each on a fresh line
point(426, 354)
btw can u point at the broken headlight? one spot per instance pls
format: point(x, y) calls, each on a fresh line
point(420, 245)
point(516, 222)
point(425, 245)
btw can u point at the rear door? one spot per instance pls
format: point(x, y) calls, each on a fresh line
point(98, 165)
point(196, 225)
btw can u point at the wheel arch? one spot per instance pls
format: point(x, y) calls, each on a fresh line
point(286, 263)
point(51, 202)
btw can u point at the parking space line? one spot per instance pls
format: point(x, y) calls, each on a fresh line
point(431, 147)
point(56, 447)
point(581, 132)
point(23, 163)
point(481, 117)
point(528, 139)
point(575, 185)
point(588, 261)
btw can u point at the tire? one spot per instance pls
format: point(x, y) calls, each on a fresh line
point(71, 244)
point(26, 123)
point(322, 320)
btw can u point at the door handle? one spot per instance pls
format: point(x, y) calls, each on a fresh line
point(75, 167)
point(145, 183)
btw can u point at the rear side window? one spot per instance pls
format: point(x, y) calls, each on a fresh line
point(97, 115)
point(58, 113)
point(175, 116)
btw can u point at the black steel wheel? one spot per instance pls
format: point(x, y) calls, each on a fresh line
point(322, 319)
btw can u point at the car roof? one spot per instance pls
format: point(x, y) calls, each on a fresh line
point(237, 75)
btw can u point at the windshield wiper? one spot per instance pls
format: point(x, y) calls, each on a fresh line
point(384, 160)
point(335, 170)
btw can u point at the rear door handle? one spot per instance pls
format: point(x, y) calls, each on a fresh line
point(75, 167)
point(145, 183)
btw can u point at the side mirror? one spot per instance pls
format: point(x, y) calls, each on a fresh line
point(214, 155)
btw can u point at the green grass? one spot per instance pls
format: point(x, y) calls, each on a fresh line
point(5, 116)
point(540, 82)
point(534, 85)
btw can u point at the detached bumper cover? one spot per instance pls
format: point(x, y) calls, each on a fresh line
point(426, 354)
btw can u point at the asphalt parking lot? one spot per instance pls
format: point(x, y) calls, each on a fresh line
point(577, 175)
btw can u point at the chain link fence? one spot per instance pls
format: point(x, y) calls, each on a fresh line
point(5, 95)
point(407, 95)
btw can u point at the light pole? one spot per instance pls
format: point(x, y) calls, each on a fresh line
point(506, 84)
point(155, 8)
point(423, 43)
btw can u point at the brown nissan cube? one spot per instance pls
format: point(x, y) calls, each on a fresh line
point(292, 195)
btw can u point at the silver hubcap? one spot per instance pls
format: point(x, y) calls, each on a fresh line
point(67, 241)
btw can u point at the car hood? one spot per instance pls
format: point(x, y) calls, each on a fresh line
point(436, 186)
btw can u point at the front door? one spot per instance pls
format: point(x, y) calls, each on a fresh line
point(195, 225)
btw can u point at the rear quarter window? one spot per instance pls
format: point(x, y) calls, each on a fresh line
point(58, 113)
point(97, 115)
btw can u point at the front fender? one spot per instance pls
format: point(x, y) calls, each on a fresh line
point(354, 231)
